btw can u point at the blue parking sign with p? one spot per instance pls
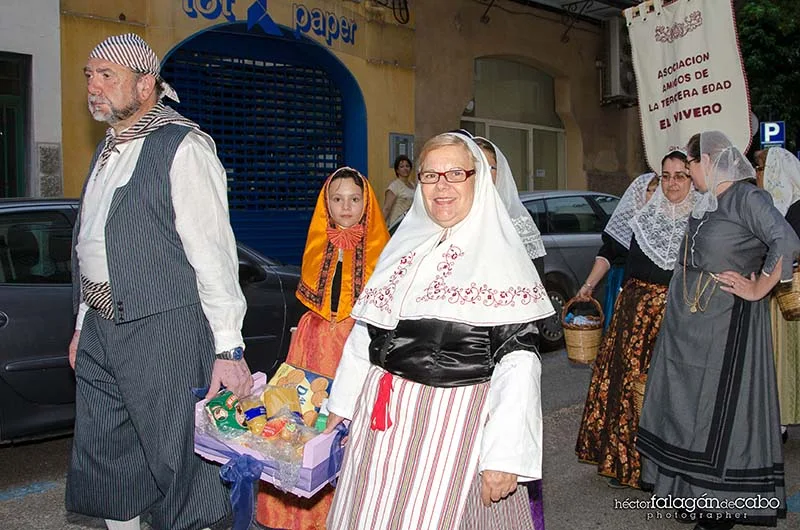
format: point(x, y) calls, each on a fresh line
point(773, 133)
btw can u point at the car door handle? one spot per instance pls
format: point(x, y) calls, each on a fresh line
point(3, 319)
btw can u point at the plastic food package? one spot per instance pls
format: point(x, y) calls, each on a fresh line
point(312, 389)
point(225, 412)
point(275, 398)
point(255, 414)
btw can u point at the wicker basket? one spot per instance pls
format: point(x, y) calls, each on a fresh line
point(583, 341)
point(638, 392)
point(788, 296)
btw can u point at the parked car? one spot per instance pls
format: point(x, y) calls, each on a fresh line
point(571, 223)
point(37, 385)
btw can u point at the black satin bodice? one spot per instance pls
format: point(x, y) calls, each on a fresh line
point(447, 354)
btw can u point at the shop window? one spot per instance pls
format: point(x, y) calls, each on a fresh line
point(514, 107)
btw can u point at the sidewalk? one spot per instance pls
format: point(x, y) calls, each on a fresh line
point(576, 498)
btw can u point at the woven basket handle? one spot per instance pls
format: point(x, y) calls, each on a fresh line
point(575, 300)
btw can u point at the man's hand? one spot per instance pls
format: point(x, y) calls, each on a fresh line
point(496, 485)
point(73, 347)
point(235, 375)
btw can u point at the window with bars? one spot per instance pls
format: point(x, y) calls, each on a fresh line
point(278, 126)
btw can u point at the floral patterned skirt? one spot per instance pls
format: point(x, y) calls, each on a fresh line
point(607, 436)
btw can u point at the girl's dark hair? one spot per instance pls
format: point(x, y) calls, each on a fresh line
point(674, 155)
point(693, 147)
point(483, 143)
point(348, 173)
point(399, 159)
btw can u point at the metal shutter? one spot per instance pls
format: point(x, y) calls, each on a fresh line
point(277, 119)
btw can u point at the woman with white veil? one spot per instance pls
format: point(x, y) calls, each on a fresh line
point(709, 427)
point(779, 174)
point(507, 189)
point(617, 236)
point(649, 238)
point(440, 375)
point(529, 233)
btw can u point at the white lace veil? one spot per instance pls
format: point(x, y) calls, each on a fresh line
point(661, 225)
point(520, 216)
point(634, 198)
point(782, 178)
point(727, 164)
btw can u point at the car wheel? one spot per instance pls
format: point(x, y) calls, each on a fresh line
point(550, 330)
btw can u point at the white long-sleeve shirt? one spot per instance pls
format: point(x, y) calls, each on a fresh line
point(200, 200)
point(511, 440)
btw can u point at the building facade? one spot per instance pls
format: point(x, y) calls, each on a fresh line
point(289, 91)
point(292, 89)
point(531, 80)
point(30, 99)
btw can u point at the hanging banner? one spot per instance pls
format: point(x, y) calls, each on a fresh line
point(689, 73)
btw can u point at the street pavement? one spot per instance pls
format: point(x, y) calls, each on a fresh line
point(575, 497)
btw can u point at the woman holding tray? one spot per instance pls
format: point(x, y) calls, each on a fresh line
point(346, 236)
point(440, 374)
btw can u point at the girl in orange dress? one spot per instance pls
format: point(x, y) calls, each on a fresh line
point(345, 238)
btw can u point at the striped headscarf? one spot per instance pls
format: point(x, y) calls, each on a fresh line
point(159, 116)
point(131, 51)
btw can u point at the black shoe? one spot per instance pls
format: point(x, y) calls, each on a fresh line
point(616, 484)
point(785, 436)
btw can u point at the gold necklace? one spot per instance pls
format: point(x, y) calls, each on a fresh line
point(695, 305)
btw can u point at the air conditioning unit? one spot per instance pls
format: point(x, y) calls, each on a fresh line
point(619, 80)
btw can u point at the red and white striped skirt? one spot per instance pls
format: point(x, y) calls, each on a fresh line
point(421, 472)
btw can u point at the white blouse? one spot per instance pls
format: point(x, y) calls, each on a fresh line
point(199, 197)
point(512, 437)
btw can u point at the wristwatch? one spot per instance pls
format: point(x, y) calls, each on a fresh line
point(236, 354)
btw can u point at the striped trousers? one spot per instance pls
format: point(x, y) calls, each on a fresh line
point(133, 449)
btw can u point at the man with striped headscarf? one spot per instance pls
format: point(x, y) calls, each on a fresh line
point(159, 306)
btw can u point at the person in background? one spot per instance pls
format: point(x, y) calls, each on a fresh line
point(507, 189)
point(160, 310)
point(607, 435)
point(532, 239)
point(616, 237)
point(778, 172)
point(616, 273)
point(400, 192)
point(440, 374)
point(345, 238)
point(710, 425)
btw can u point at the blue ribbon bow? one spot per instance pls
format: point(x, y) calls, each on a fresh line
point(335, 460)
point(242, 472)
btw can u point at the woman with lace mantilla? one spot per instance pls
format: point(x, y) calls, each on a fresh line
point(652, 234)
point(709, 426)
point(440, 374)
point(778, 172)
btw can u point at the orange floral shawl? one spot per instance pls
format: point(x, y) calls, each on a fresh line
point(321, 255)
